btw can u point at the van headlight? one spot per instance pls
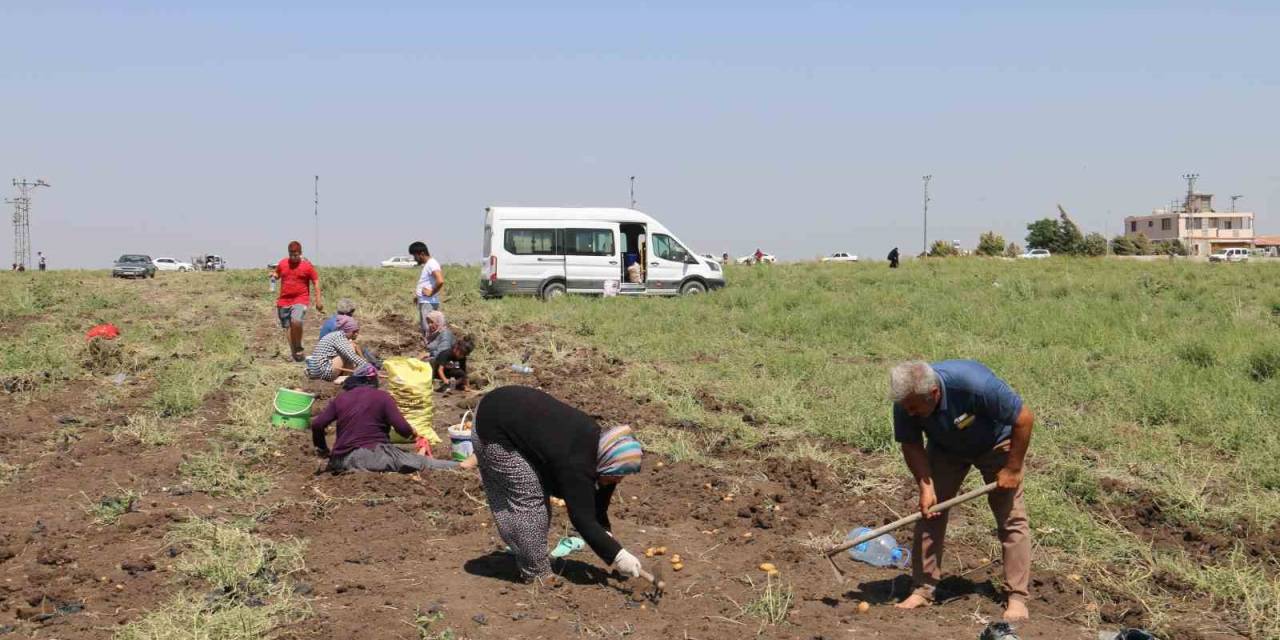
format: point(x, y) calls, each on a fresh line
point(715, 266)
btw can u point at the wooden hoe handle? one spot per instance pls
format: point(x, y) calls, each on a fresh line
point(902, 522)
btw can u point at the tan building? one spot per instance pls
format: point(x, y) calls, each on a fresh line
point(1200, 229)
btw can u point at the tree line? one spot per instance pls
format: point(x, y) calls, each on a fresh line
point(1061, 236)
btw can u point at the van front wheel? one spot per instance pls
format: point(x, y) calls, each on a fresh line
point(553, 290)
point(692, 287)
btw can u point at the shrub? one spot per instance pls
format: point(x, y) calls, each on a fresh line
point(990, 244)
point(1013, 250)
point(942, 249)
point(1264, 363)
point(1197, 354)
point(1123, 246)
point(1095, 244)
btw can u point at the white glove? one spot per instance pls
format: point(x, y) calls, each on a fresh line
point(626, 564)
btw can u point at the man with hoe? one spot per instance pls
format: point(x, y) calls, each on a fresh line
point(970, 418)
point(297, 277)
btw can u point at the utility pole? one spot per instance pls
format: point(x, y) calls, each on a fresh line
point(1191, 187)
point(633, 192)
point(22, 220)
point(926, 180)
point(316, 214)
point(1233, 202)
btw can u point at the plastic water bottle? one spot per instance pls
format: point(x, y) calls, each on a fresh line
point(880, 552)
point(522, 368)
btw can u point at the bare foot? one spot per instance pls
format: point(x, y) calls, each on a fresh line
point(914, 601)
point(469, 463)
point(1016, 611)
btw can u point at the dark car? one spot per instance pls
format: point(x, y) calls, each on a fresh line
point(132, 265)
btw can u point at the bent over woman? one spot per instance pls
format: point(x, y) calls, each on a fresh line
point(530, 447)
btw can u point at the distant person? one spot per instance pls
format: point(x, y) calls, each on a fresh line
point(439, 337)
point(297, 278)
point(724, 259)
point(970, 418)
point(337, 353)
point(759, 256)
point(451, 365)
point(345, 308)
point(430, 283)
point(366, 415)
point(893, 258)
point(43, 265)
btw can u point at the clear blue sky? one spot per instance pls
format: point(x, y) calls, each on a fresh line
point(801, 128)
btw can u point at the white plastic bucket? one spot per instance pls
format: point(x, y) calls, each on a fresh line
point(460, 439)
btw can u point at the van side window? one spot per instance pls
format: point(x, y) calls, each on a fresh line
point(588, 242)
point(530, 242)
point(667, 248)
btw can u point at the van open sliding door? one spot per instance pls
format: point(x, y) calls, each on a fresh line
point(591, 256)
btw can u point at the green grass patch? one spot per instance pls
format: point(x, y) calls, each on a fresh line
point(149, 428)
point(217, 473)
point(108, 509)
point(773, 602)
point(245, 576)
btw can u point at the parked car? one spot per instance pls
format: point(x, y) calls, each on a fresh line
point(551, 251)
point(169, 264)
point(751, 259)
point(840, 256)
point(1035, 254)
point(1234, 254)
point(400, 262)
point(133, 265)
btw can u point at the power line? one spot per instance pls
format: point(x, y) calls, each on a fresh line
point(22, 220)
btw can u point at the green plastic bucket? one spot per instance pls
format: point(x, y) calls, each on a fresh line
point(292, 408)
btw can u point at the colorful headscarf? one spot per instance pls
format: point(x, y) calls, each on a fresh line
point(347, 325)
point(618, 453)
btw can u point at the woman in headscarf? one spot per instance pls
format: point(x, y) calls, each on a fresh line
point(439, 337)
point(366, 415)
point(336, 353)
point(531, 447)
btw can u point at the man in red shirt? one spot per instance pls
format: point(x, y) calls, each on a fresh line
point(297, 277)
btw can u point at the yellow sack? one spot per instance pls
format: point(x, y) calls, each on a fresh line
point(409, 383)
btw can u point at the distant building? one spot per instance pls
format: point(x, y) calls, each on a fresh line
point(1200, 229)
point(1268, 245)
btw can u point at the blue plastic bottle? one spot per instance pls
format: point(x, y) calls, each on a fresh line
point(879, 552)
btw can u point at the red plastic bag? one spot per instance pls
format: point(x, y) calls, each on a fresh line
point(106, 331)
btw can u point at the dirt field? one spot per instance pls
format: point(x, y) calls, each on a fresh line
point(391, 556)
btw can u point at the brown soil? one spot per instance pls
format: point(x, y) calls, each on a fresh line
point(1144, 515)
point(383, 547)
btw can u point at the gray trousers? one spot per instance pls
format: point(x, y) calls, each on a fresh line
point(519, 505)
point(387, 457)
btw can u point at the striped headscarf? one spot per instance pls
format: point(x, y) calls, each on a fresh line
point(618, 453)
